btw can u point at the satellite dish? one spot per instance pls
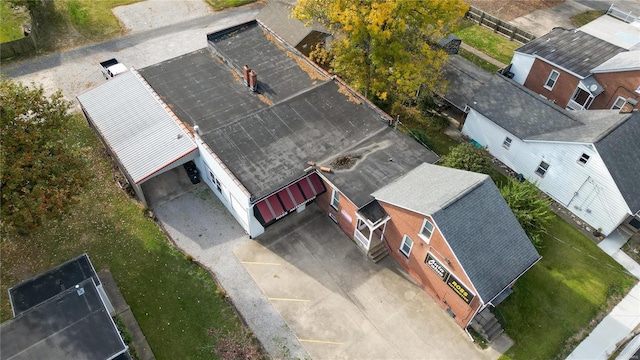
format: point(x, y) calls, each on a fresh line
point(593, 87)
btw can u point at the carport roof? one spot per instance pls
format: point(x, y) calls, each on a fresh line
point(135, 125)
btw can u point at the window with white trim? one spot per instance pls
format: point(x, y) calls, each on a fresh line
point(638, 89)
point(405, 247)
point(551, 80)
point(583, 159)
point(542, 169)
point(427, 229)
point(619, 103)
point(506, 143)
point(335, 199)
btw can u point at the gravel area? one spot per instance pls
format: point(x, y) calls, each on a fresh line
point(201, 226)
point(152, 14)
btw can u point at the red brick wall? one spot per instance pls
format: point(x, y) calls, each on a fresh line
point(407, 222)
point(563, 89)
point(345, 207)
point(616, 84)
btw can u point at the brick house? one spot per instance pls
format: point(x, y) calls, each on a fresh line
point(577, 71)
point(439, 233)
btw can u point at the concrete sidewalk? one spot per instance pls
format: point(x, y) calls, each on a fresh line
point(601, 343)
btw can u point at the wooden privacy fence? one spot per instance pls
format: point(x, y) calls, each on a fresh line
point(499, 26)
point(22, 46)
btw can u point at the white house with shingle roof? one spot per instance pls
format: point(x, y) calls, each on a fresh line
point(588, 161)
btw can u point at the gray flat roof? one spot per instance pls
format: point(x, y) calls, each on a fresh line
point(71, 325)
point(615, 31)
point(50, 283)
point(573, 50)
point(378, 161)
point(135, 126)
point(306, 116)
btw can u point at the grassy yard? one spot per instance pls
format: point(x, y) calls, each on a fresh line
point(12, 21)
point(586, 17)
point(174, 300)
point(478, 61)
point(553, 303)
point(485, 40)
point(224, 4)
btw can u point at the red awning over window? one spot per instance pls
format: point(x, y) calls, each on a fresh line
point(288, 199)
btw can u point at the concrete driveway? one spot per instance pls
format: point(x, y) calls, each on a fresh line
point(341, 305)
point(305, 290)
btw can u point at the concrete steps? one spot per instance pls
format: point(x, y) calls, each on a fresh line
point(487, 325)
point(378, 252)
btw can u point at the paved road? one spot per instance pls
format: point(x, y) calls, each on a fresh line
point(77, 70)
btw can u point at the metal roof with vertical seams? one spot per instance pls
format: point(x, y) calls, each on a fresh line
point(146, 137)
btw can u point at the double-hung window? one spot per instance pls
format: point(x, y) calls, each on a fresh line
point(506, 143)
point(542, 169)
point(619, 103)
point(335, 199)
point(427, 229)
point(583, 159)
point(551, 80)
point(405, 247)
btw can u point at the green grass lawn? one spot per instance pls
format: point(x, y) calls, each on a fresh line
point(554, 302)
point(478, 61)
point(12, 21)
point(485, 40)
point(586, 17)
point(224, 4)
point(174, 300)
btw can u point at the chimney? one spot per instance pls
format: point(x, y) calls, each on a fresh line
point(245, 74)
point(253, 80)
point(628, 106)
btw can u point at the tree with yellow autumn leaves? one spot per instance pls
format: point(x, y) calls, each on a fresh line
point(385, 47)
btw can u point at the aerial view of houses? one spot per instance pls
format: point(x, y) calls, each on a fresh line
point(292, 180)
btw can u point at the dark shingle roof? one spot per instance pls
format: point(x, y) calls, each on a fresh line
point(487, 239)
point(573, 50)
point(529, 116)
point(474, 219)
point(464, 79)
point(620, 151)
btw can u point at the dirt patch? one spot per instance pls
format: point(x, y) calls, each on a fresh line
point(632, 247)
point(509, 10)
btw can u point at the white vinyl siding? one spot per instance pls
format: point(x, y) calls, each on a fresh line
point(521, 66)
point(226, 188)
point(587, 190)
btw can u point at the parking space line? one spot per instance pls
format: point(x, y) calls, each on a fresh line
point(259, 263)
point(320, 342)
point(287, 299)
